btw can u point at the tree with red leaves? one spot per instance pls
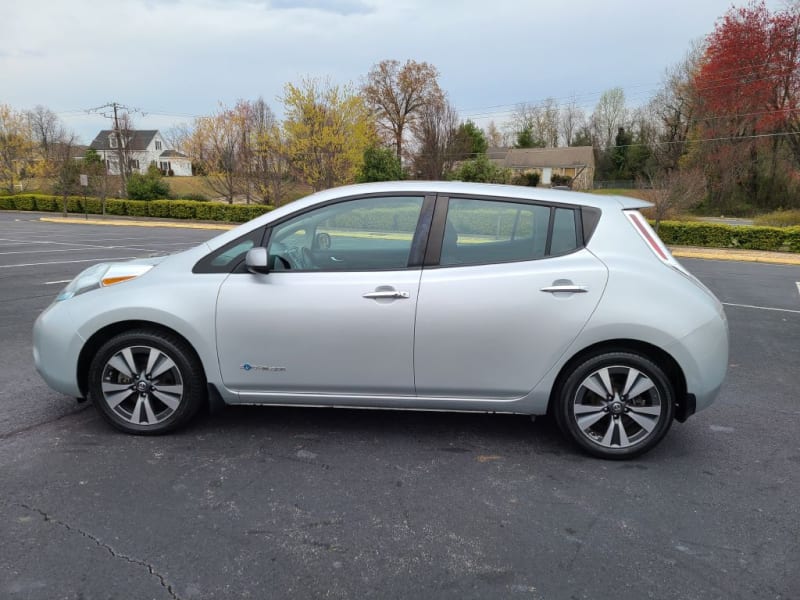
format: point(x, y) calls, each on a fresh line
point(748, 87)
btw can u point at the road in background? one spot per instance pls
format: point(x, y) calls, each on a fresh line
point(288, 503)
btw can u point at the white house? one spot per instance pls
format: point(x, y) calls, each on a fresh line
point(141, 149)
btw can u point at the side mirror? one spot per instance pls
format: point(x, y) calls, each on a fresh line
point(256, 260)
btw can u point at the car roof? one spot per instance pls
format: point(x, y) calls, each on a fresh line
point(459, 188)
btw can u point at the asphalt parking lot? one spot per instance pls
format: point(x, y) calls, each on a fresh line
point(325, 503)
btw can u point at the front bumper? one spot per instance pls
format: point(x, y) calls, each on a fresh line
point(56, 348)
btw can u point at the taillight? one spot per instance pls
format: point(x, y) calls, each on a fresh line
point(649, 236)
point(655, 244)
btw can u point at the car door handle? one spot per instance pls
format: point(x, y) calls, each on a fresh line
point(392, 294)
point(565, 289)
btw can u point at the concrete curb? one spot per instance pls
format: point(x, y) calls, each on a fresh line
point(758, 256)
point(126, 223)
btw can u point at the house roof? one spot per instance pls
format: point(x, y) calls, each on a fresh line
point(172, 154)
point(139, 140)
point(531, 158)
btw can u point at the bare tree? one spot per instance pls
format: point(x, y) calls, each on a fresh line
point(217, 148)
point(46, 129)
point(675, 108)
point(609, 115)
point(122, 131)
point(435, 136)
point(572, 119)
point(672, 192)
point(539, 121)
point(178, 137)
point(257, 151)
point(399, 93)
point(493, 135)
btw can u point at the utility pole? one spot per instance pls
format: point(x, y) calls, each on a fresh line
point(122, 135)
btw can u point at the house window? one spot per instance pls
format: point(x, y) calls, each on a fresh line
point(134, 164)
point(158, 145)
point(112, 141)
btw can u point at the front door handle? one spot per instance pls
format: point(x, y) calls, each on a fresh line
point(384, 294)
point(566, 289)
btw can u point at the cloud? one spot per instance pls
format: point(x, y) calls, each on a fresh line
point(340, 7)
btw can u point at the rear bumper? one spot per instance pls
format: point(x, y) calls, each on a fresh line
point(703, 357)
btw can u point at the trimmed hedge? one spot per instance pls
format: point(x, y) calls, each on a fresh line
point(718, 235)
point(171, 209)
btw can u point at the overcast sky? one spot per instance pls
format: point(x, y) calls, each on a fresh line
point(178, 58)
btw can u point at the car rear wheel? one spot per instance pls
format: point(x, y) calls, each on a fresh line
point(146, 382)
point(616, 405)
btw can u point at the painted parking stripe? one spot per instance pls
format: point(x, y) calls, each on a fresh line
point(59, 281)
point(64, 262)
point(797, 283)
point(788, 310)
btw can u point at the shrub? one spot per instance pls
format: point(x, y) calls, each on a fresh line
point(136, 208)
point(25, 203)
point(482, 170)
point(528, 178)
point(7, 203)
point(149, 186)
point(182, 209)
point(116, 207)
point(194, 196)
point(159, 208)
point(716, 235)
point(212, 211)
point(560, 180)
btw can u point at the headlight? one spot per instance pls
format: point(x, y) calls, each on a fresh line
point(102, 275)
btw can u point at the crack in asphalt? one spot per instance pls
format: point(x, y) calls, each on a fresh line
point(14, 432)
point(100, 544)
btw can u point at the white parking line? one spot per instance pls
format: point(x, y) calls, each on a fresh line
point(46, 251)
point(76, 246)
point(59, 281)
point(797, 283)
point(64, 262)
point(762, 307)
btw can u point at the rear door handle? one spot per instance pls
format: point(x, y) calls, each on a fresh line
point(565, 289)
point(392, 294)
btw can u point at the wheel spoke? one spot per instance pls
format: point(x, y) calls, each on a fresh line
point(646, 423)
point(623, 435)
point(633, 375)
point(114, 399)
point(109, 387)
point(609, 433)
point(151, 361)
point(164, 364)
point(580, 409)
point(644, 384)
point(595, 383)
point(172, 401)
point(136, 417)
point(148, 411)
point(605, 377)
point(654, 411)
point(119, 363)
point(588, 420)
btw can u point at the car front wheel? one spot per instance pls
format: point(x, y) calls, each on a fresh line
point(146, 382)
point(616, 405)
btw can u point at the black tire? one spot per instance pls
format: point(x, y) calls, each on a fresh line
point(165, 401)
point(616, 426)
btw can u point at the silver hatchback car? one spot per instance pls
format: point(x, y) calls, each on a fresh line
point(403, 295)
